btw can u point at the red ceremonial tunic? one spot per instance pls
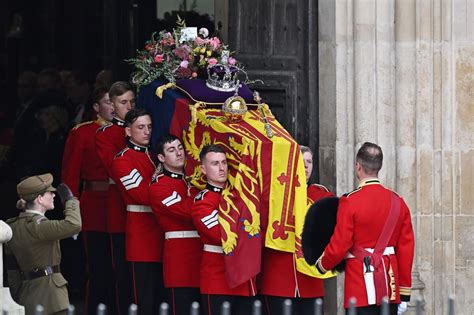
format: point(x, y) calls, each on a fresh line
point(82, 164)
point(132, 170)
point(279, 276)
point(171, 200)
point(205, 212)
point(109, 141)
point(360, 219)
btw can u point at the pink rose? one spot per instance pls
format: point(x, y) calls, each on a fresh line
point(215, 43)
point(212, 61)
point(184, 64)
point(232, 61)
point(158, 58)
point(194, 74)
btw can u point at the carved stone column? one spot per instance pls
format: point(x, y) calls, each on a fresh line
point(6, 301)
point(401, 73)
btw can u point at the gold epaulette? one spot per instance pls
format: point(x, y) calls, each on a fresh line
point(83, 124)
point(101, 121)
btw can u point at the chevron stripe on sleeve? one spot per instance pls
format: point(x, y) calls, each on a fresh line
point(172, 199)
point(131, 180)
point(211, 220)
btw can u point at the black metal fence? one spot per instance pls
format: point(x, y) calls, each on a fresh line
point(226, 308)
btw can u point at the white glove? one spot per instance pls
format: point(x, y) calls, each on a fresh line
point(402, 307)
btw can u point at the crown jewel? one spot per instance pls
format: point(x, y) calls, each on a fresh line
point(223, 76)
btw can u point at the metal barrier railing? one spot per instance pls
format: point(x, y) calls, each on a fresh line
point(226, 308)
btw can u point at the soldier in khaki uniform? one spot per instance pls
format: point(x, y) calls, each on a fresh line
point(35, 278)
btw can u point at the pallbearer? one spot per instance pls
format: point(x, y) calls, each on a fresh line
point(85, 174)
point(171, 197)
point(132, 170)
point(110, 139)
point(279, 278)
point(214, 287)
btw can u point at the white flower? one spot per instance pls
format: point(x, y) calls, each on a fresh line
point(204, 32)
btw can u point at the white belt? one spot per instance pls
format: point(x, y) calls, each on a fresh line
point(388, 251)
point(181, 234)
point(111, 181)
point(213, 249)
point(138, 208)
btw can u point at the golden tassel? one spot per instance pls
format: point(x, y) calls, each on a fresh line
point(161, 89)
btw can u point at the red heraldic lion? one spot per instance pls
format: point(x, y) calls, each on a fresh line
point(205, 214)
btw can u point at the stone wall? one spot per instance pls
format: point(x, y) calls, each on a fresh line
point(401, 74)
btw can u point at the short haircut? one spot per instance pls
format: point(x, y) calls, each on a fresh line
point(210, 148)
point(370, 157)
point(119, 88)
point(97, 95)
point(160, 144)
point(133, 114)
point(305, 149)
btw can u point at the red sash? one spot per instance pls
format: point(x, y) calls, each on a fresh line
point(374, 259)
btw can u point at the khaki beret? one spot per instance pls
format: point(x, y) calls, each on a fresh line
point(29, 188)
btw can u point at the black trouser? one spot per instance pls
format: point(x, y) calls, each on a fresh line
point(148, 288)
point(240, 305)
point(123, 273)
point(273, 305)
point(73, 265)
point(180, 299)
point(100, 286)
point(374, 310)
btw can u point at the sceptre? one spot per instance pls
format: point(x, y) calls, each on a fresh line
point(258, 99)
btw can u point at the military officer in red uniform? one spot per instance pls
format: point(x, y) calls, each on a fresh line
point(82, 167)
point(132, 170)
point(171, 198)
point(205, 212)
point(279, 279)
point(110, 140)
point(374, 234)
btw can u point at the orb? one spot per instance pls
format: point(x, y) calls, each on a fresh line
point(234, 108)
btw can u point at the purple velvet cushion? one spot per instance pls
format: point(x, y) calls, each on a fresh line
point(198, 91)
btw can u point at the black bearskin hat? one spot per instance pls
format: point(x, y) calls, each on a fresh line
point(318, 228)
